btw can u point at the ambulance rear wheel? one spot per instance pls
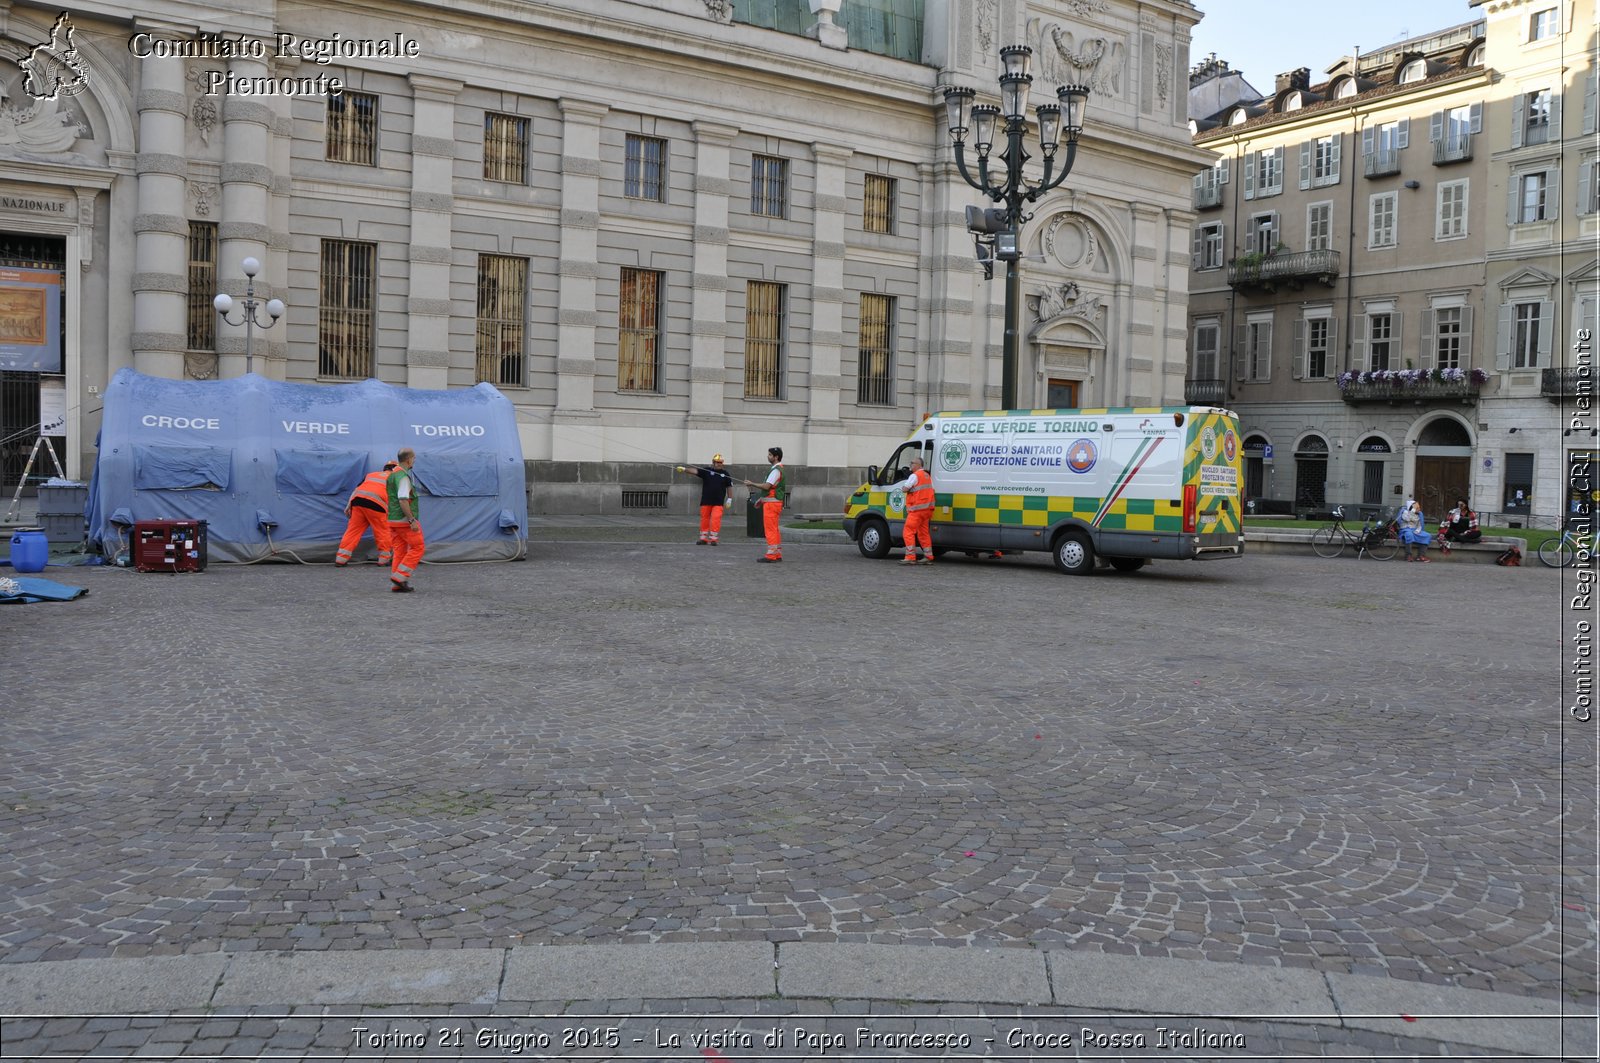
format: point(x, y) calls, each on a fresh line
point(1127, 564)
point(874, 540)
point(1073, 554)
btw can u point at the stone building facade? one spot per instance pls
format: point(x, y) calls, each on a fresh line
point(664, 228)
point(1391, 264)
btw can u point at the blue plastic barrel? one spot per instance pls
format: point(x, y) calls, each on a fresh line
point(30, 550)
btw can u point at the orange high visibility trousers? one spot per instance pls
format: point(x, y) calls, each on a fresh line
point(770, 512)
point(407, 550)
point(361, 519)
point(916, 533)
point(710, 523)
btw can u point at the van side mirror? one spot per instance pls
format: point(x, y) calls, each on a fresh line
point(872, 474)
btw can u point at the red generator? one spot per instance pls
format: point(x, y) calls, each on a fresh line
point(169, 546)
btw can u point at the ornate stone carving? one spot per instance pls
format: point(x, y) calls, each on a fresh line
point(1163, 72)
point(988, 19)
point(719, 10)
point(203, 195)
point(36, 126)
point(1070, 242)
point(1065, 301)
point(204, 112)
point(199, 365)
point(1077, 57)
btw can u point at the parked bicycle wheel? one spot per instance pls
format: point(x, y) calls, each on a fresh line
point(1558, 553)
point(1382, 543)
point(1327, 542)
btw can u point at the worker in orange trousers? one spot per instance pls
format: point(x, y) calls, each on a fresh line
point(367, 507)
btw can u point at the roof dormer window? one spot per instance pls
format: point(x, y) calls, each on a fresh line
point(1414, 71)
point(1347, 88)
point(1294, 101)
point(1239, 116)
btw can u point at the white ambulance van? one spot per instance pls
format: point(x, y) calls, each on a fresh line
point(1121, 485)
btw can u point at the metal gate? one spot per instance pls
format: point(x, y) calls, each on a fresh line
point(19, 392)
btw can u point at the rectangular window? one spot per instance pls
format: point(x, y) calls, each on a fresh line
point(1380, 341)
point(763, 340)
point(1263, 233)
point(1536, 119)
point(645, 171)
point(1325, 161)
point(1450, 221)
point(877, 204)
point(875, 350)
point(639, 330)
point(1258, 350)
point(1207, 342)
point(1382, 145)
point(1519, 482)
point(345, 320)
point(502, 288)
point(1380, 220)
point(769, 180)
point(505, 148)
point(1589, 186)
point(352, 128)
point(1319, 227)
point(1526, 323)
point(1268, 173)
point(1208, 246)
point(1317, 342)
point(202, 285)
point(1449, 335)
point(1532, 204)
point(1542, 24)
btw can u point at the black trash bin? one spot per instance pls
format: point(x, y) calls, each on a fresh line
point(754, 527)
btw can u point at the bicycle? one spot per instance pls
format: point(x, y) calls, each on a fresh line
point(1562, 552)
point(1377, 538)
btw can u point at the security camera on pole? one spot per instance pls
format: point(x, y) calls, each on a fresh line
point(997, 232)
point(248, 307)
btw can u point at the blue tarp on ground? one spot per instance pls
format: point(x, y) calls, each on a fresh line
point(254, 457)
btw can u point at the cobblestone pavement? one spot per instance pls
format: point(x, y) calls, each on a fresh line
point(1337, 765)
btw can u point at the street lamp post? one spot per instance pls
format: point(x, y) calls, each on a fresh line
point(1010, 188)
point(248, 307)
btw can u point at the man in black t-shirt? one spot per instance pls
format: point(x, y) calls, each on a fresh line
point(716, 494)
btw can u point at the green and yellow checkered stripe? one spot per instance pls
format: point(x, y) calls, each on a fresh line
point(1229, 518)
point(1034, 511)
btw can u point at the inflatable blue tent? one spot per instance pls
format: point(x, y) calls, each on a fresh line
point(269, 466)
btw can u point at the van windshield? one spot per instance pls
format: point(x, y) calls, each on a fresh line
point(899, 466)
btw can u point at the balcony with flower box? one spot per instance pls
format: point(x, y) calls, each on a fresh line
point(1415, 386)
point(1284, 269)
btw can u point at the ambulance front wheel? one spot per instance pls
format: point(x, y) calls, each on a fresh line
point(873, 541)
point(1073, 554)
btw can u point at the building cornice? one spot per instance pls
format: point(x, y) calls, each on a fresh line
point(1341, 112)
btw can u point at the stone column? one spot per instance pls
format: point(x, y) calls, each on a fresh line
point(824, 430)
point(575, 426)
point(706, 427)
point(245, 230)
point(1145, 325)
point(161, 231)
point(281, 198)
point(432, 179)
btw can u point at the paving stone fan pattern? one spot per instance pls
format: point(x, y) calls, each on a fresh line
point(1271, 761)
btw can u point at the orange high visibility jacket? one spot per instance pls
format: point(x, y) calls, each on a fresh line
point(373, 489)
point(921, 494)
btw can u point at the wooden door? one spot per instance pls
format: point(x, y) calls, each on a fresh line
point(1440, 481)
